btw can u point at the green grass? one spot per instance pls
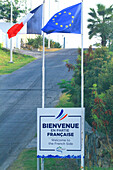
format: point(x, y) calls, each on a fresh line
point(19, 61)
point(98, 168)
point(27, 161)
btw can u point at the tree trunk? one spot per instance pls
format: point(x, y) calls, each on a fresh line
point(104, 41)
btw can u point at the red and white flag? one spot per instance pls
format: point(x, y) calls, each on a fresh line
point(33, 22)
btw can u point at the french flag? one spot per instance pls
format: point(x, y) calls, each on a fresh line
point(32, 22)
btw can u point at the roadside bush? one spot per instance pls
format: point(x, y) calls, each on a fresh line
point(95, 61)
point(105, 79)
point(0, 45)
point(38, 42)
point(111, 47)
point(108, 99)
point(103, 120)
point(30, 41)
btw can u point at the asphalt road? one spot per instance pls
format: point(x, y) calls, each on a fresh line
point(20, 96)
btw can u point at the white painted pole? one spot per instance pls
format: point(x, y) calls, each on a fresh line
point(43, 81)
point(11, 56)
point(43, 75)
point(82, 92)
point(57, 10)
point(49, 34)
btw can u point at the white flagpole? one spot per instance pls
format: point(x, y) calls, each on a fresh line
point(43, 81)
point(43, 75)
point(82, 93)
point(11, 58)
point(49, 34)
point(43, 63)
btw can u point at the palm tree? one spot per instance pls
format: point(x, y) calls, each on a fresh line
point(101, 22)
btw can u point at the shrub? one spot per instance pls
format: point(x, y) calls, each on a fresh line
point(111, 47)
point(103, 118)
point(30, 41)
point(94, 62)
point(105, 77)
point(38, 42)
point(0, 45)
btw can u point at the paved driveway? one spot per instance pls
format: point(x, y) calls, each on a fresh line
point(20, 96)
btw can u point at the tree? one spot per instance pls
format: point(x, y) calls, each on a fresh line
point(5, 10)
point(101, 23)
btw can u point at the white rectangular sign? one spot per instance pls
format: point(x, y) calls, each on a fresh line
point(59, 133)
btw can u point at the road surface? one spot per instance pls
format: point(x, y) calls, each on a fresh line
point(20, 96)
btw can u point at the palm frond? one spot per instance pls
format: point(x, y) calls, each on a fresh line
point(92, 13)
point(91, 20)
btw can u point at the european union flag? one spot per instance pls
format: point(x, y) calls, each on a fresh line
point(66, 21)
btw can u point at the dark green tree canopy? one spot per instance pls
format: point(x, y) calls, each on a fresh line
point(101, 23)
point(5, 10)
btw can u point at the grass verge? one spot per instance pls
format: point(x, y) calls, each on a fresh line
point(19, 61)
point(27, 161)
point(97, 168)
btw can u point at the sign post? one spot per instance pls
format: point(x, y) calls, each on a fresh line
point(59, 133)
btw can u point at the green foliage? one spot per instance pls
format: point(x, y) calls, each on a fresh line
point(94, 62)
point(38, 42)
point(0, 46)
point(35, 43)
point(71, 89)
point(101, 23)
point(54, 44)
point(30, 41)
point(46, 42)
point(108, 98)
point(5, 10)
point(105, 77)
point(103, 118)
point(64, 101)
point(98, 91)
point(111, 47)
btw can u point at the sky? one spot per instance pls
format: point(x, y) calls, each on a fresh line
point(71, 40)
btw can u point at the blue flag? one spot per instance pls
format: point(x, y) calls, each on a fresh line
point(34, 25)
point(66, 21)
